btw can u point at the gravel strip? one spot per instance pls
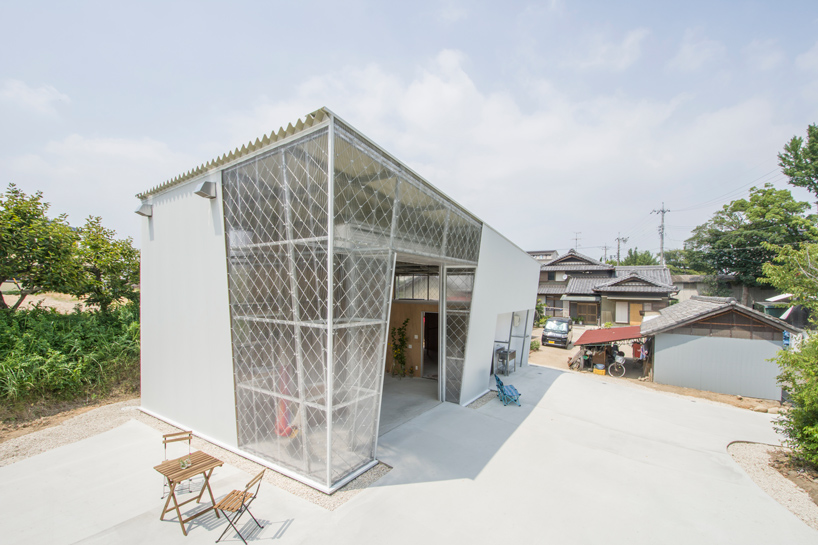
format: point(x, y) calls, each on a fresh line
point(111, 416)
point(754, 458)
point(482, 400)
point(75, 429)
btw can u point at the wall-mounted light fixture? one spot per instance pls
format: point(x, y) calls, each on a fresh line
point(145, 209)
point(206, 190)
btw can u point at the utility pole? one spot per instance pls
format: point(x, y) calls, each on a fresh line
point(619, 239)
point(576, 239)
point(662, 211)
point(605, 255)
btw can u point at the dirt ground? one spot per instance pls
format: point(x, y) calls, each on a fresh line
point(805, 477)
point(551, 356)
point(60, 301)
point(19, 421)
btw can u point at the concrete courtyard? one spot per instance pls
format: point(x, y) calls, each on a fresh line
point(582, 461)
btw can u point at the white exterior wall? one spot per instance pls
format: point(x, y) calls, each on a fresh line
point(187, 365)
point(505, 281)
point(717, 364)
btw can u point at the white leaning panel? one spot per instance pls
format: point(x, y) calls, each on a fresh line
point(505, 281)
point(187, 369)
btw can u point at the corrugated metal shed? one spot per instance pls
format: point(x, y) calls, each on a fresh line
point(716, 344)
point(699, 307)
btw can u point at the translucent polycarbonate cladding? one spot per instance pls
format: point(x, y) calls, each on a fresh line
point(459, 287)
point(276, 218)
point(380, 204)
point(296, 407)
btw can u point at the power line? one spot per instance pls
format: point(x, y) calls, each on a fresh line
point(730, 194)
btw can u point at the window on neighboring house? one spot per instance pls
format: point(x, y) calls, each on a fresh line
point(552, 275)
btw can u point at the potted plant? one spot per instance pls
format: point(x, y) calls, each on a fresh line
point(399, 343)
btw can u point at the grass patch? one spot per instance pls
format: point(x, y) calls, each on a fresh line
point(49, 356)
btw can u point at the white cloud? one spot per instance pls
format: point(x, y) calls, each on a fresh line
point(494, 155)
point(42, 100)
point(84, 176)
point(808, 61)
point(615, 56)
point(764, 54)
point(452, 12)
point(695, 52)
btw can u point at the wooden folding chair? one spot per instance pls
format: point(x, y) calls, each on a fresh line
point(238, 503)
point(173, 438)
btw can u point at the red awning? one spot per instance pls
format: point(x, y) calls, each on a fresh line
point(604, 336)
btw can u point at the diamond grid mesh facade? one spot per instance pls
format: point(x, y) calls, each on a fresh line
point(459, 287)
point(310, 298)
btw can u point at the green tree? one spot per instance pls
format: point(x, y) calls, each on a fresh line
point(799, 161)
point(635, 257)
point(110, 267)
point(682, 261)
point(732, 241)
point(36, 252)
point(795, 271)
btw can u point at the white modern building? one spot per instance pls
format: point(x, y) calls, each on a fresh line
point(268, 280)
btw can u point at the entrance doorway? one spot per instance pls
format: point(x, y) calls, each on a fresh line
point(430, 345)
point(416, 298)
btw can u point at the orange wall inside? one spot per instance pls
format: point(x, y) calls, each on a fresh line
point(412, 310)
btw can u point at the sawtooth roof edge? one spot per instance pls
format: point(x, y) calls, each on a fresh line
point(313, 119)
point(268, 140)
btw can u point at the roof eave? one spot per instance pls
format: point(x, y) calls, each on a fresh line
point(314, 120)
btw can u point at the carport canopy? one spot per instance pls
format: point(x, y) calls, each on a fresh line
point(605, 336)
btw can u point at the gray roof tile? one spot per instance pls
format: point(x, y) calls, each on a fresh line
point(590, 264)
point(582, 285)
point(551, 289)
point(657, 273)
point(698, 307)
point(635, 282)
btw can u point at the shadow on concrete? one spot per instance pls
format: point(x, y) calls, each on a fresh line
point(405, 399)
point(454, 442)
point(270, 530)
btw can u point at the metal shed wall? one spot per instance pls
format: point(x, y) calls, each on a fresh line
point(187, 375)
point(717, 364)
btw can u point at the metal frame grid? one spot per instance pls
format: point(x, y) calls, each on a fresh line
point(310, 294)
point(459, 288)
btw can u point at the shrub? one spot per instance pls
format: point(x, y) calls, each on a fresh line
point(799, 376)
point(535, 345)
point(47, 354)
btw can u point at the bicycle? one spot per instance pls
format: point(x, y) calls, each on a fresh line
point(617, 368)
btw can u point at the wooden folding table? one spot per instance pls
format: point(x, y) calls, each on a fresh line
point(172, 470)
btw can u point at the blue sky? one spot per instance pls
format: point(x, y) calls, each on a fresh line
point(544, 118)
